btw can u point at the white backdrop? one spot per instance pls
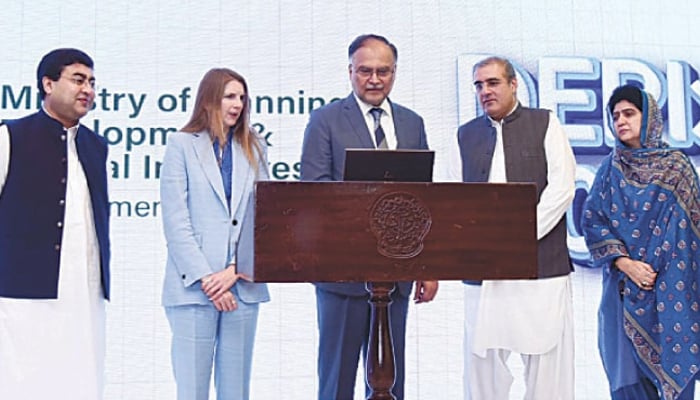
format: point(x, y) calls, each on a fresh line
point(150, 56)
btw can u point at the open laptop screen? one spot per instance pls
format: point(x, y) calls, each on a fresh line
point(389, 165)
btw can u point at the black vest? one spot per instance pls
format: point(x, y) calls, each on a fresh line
point(523, 146)
point(32, 205)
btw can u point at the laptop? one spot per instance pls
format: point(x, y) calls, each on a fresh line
point(389, 165)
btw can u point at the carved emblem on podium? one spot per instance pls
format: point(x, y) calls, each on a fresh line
point(400, 222)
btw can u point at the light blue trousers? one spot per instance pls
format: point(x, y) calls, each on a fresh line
point(204, 337)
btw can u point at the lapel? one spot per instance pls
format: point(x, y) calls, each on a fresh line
point(86, 157)
point(488, 146)
point(205, 154)
point(399, 129)
point(353, 114)
point(240, 176)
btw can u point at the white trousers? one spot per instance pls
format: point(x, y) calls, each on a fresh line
point(548, 376)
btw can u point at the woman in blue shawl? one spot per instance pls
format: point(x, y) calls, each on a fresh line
point(641, 222)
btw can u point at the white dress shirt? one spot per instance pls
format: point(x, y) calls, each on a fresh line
point(386, 121)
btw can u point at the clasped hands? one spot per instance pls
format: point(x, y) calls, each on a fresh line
point(217, 287)
point(639, 272)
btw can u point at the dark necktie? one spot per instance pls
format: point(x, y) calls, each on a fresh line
point(378, 131)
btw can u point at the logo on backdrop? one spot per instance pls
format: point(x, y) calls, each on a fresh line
point(576, 89)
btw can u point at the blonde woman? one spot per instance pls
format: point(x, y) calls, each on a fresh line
point(207, 184)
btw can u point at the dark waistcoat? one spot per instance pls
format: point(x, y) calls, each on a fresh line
point(523, 146)
point(32, 205)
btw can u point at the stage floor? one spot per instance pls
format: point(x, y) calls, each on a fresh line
point(138, 364)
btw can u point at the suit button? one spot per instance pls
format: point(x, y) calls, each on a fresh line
point(59, 224)
point(184, 276)
point(61, 202)
point(63, 180)
point(234, 222)
point(57, 247)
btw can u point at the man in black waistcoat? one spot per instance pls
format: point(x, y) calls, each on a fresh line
point(54, 240)
point(512, 143)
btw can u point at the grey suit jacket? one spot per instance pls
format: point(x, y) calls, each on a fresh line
point(202, 235)
point(338, 126)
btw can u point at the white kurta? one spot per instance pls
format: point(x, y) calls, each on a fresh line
point(54, 348)
point(530, 304)
point(530, 317)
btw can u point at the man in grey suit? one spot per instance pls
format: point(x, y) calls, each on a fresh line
point(364, 119)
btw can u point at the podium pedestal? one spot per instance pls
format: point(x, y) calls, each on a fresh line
point(383, 232)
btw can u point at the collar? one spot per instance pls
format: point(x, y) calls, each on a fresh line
point(51, 120)
point(513, 114)
point(365, 107)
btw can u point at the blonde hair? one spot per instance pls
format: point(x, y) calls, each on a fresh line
point(207, 113)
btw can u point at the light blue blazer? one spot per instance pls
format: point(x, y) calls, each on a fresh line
point(201, 234)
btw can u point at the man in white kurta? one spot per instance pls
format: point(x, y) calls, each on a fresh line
point(530, 317)
point(53, 348)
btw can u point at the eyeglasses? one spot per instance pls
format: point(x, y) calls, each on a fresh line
point(81, 80)
point(382, 73)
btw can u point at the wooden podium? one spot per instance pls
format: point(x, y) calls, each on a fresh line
point(383, 232)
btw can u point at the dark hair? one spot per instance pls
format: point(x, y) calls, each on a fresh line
point(52, 64)
point(360, 41)
point(628, 92)
point(510, 71)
